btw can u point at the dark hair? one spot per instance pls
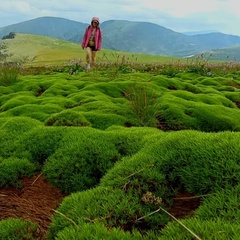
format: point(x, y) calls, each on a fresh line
point(94, 21)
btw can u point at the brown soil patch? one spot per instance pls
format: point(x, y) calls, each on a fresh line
point(162, 125)
point(184, 205)
point(237, 104)
point(35, 201)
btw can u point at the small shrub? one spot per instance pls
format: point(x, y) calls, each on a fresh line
point(11, 35)
point(143, 103)
point(170, 70)
point(75, 67)
point(9, 74)
point(200, 65)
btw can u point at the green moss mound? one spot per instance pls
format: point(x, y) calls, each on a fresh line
point(122, 141)
point(17, 229)
point(205, 229)
point(13, 169)
point(96, 231)
point(107, 206)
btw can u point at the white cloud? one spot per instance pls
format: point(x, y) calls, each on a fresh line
point(187, 8)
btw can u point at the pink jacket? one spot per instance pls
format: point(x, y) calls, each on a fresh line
point(98, 38)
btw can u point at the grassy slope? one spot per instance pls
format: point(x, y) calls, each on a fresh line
point(230, 54)
point(40, 50)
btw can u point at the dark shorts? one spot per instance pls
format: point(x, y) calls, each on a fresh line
point(92, 48)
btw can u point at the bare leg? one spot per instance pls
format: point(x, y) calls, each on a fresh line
point(88, 54)
point(88, 57)
point(94, 54)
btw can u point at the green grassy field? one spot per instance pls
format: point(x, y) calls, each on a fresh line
point(38, 50)
point(121, 141)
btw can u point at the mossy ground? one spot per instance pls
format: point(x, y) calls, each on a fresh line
point(112, 136)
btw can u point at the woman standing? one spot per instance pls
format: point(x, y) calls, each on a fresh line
point(92, 41)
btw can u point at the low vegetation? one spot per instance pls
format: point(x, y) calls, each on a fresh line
point(121, 141)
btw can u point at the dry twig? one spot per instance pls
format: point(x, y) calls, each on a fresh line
point(37, 178)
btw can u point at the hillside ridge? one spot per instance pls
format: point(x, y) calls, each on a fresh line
point(130, 36)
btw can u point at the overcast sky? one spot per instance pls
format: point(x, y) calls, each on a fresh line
point(177, 15)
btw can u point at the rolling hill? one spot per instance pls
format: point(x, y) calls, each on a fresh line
point(48, 26)
point(37, 49)
point(230, 54)
point(128, 36)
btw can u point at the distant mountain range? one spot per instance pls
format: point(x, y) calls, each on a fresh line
point(136, 37)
